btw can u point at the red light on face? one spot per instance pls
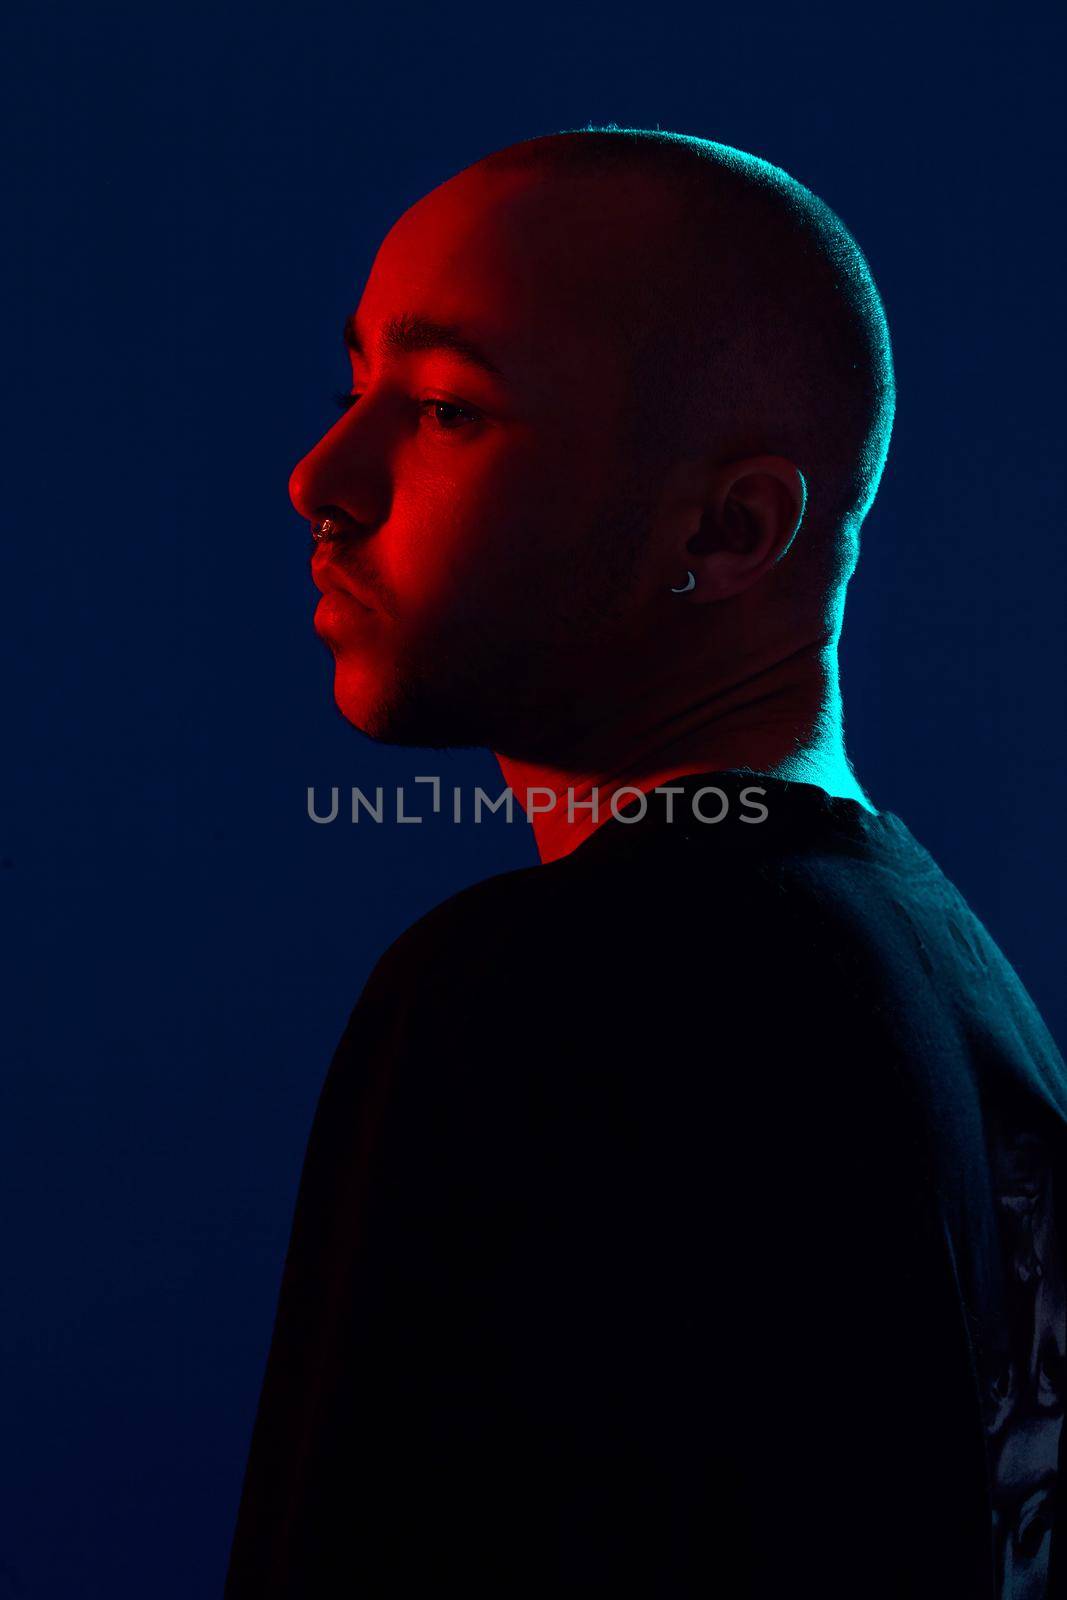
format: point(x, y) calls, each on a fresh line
point(340, 619)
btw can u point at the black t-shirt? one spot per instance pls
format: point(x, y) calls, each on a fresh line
point(677, 1219)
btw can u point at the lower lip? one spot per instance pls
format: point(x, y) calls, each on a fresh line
point(337, 613)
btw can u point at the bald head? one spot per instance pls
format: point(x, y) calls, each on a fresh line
point(750, 317)
point(584, 366)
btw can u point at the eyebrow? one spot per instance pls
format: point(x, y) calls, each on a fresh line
point(410, 332)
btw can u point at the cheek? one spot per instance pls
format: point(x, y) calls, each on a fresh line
point(491, 519)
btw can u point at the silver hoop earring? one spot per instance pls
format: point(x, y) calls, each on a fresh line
point(690, 583)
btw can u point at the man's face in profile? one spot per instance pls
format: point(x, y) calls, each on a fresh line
point(490, 557)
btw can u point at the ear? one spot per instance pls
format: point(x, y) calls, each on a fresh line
point(748, 517)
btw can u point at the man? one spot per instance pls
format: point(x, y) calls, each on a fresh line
point(680, 1215)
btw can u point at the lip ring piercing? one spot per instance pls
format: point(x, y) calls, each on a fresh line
point(690, 583)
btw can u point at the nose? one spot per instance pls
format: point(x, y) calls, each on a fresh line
point(298, 481)
point(335, 477)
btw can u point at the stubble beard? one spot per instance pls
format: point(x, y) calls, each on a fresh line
point(481, 686)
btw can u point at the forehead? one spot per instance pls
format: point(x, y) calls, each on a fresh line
point(540, 269)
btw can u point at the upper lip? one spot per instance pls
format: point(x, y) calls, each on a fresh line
point(328, 574)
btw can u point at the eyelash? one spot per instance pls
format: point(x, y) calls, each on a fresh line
point(345, 402)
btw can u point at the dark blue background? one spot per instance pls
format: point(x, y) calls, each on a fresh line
point(196, 198)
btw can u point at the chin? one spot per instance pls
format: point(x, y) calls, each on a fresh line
point(363, 704)
point(400, 712)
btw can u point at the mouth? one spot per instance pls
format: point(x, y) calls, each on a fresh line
point(332, 579)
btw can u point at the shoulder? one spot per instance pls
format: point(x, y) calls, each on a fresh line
point(482, 955)
point(477, 926)
point(609, 915)
point(676, 950)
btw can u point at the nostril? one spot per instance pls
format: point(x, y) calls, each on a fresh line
point(329, 523)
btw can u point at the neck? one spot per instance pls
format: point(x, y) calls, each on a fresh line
point(782, 721)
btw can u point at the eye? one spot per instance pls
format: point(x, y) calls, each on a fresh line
point(447, 414)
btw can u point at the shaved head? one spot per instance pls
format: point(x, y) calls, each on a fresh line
point(750, 315)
